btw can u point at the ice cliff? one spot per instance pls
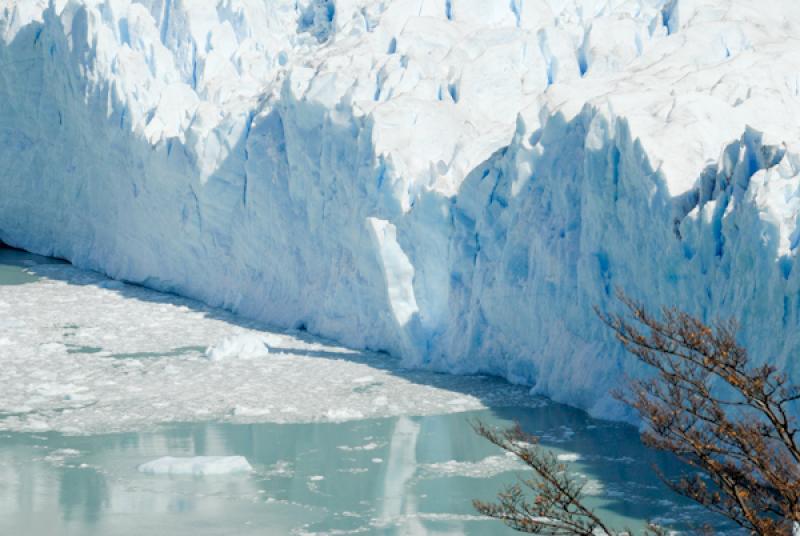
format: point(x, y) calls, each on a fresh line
point(454, 181)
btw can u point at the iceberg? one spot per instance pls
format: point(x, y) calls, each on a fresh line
point(457, 182)
point(196, 465)
point(244, 346)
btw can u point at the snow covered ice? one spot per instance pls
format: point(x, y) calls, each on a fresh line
point(456, 182)
point(81, 358)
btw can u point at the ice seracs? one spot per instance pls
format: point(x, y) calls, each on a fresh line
point(455, 182)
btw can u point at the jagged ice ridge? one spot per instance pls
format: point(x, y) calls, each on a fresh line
point(457, 182)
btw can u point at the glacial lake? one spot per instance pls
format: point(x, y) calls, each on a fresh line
point(403, 475)
point(359, 467)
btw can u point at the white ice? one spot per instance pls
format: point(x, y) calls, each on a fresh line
point(83, 356)
point(245, 346)
point(196, 465)
point(456, 182)
point(486, 468)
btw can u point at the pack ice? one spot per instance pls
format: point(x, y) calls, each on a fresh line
point(454, 181)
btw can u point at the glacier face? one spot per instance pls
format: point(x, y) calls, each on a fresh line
point(454, 181)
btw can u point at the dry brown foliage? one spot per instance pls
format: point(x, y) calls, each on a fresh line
point(732, 422)
point(557, 506)
point(726, 418)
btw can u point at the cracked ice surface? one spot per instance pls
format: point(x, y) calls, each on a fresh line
point(83, 354)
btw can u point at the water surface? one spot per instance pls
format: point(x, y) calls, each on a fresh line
point(396, 475)
point(401, 475)
point(14, 266)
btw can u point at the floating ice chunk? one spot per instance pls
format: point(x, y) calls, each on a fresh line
point(369, 446)
point(354, 470)
point(593, 487)
point(281, 468)
point(246, 411)
point(33, 424)
point(198, 465)
point(245, 346)
point(364, 379)
point(568, 457)
point(485, 468)
point(343, 414)
point(59, 456)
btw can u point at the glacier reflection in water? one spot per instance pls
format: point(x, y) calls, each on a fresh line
point(405, 475)
point(14, 264)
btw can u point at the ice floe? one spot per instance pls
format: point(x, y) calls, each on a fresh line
point(196, 465)
point(84, 358)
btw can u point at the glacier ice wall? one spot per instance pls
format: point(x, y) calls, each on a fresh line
point(454, 181)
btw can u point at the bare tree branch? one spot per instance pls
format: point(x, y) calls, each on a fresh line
point(729, 421)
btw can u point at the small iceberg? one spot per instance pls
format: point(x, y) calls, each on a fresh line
point(244, 346)
point(197, 465)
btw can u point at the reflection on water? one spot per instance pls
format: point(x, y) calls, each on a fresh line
point(394, 476)
point(11, 260)
point(403, 475)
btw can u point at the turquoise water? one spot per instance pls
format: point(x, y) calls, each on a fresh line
point(14, 264)
point(390, 476)
point(384, 476)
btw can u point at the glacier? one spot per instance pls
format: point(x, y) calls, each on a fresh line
point(456, 182)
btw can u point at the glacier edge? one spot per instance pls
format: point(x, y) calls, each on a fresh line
point(518, 168)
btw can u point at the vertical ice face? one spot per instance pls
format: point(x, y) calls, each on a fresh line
point(398, 271)
point(453, 181)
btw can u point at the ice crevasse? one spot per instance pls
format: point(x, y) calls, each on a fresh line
point(457, 182)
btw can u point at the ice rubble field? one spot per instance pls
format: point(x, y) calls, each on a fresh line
point(454, 181)
point(82, 354)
